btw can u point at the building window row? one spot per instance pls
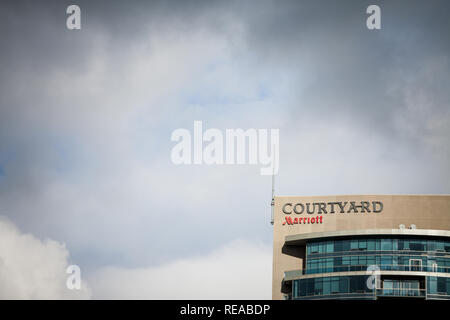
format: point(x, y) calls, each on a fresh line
point(377, 244)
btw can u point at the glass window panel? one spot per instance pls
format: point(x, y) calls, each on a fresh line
point(326, 285)
point(394, 244)
point(431, 245)
point(354, 260)
point(318, 286)
point(334, 285)
point(440, 246)
point(329, 247)
point(310, 284)
point(378, 260)
point(343, 284)
point(386, 245)
point(362, 244)
point(400, 244)
point(337, 246)
point(353, 244)
point(345, 260)
point(448, 286)
point(405, 245)
point(416, 245)
point(386, 260)
point(395, 261)
point(303, 288)
point(371, 260)
point(337, 261)
point(320, 249)
point(371, 244)
point(432, 285)
point(442, 285)
point(346, 245)
point(329, 263)
point(363, 260)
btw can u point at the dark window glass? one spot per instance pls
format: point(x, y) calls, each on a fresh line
point(318, 286)
point(416, 245)
point(354, 245)
point(442, 285)
point(310, 284)
point(326, 285)
point(337, 261)
point(343, 284)
point(448, 286)
point(303, 288)
point(346, 245)
point(338, 246)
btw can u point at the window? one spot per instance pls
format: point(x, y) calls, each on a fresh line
point(371, 260)
point(343, 284)
point(386, 261)
point(337, 246)
point(363, 260)
point(329, 247)
point(318, 288)
point(441, 285)
point(335, 284)
point(388, 287)
point(394, 244)
point(371, 244)
point(432, 285)
point(362, 245)
point(415, 264)
point(345, 245)
point(386, 245)
point(440, 246)
point(416, 246)
point(326, 285)
point(354, 245)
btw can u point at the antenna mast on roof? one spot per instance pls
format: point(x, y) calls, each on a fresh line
point(272, 204)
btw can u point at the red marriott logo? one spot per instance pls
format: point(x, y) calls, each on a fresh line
point(322, 208)
point(306, 220)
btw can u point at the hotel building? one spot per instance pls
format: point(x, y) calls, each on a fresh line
point(361, 247)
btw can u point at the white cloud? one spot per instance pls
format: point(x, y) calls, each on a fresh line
point(239, 270)
point(33, 269)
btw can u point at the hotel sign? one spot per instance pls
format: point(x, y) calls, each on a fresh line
point(297, 213)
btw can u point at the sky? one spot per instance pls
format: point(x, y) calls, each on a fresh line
point(86, 117)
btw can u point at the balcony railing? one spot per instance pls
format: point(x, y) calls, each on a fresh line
point(400, 292)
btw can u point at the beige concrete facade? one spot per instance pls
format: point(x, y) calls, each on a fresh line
point(429, 212)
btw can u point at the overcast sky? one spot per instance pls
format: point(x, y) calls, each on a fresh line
point(86, 118)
